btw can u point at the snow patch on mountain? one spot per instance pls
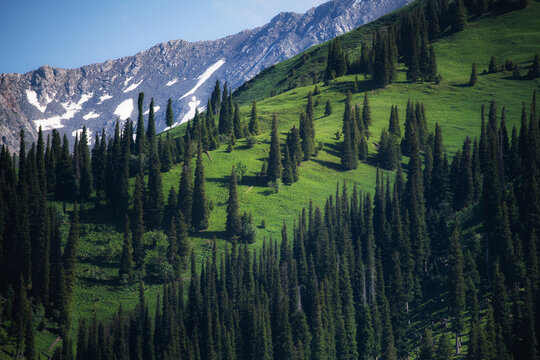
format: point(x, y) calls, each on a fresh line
point(71, 108)
point(31, 96)
point(202, 78)
point(124, 110)
point(132, 87)
point(192, 108)
point(172, 82)
point(54, 122)
point(103, 98)
point(156, 109)
point(128, 79)
point(91, 115)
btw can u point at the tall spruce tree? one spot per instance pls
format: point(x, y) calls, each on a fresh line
point(200, 210)
point(254, 120)
point(457, 285)
point(185, 189)
point(233, 213)
point(169, 116)
point(275, 167)
point(141, 136)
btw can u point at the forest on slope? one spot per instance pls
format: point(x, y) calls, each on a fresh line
point(429, 235)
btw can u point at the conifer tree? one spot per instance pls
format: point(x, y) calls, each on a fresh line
point(275, 167)
point(288, 177)
point(254, 120)
point(141, 136)
point(29, 342)
point(534, 70)
point(125, 272)
point(457, 285)
point(233, 225)
point(426, 346)
point(215, 98)
point(493, 65)
point(295, 148)
point(393, 124)
point(170, 115)
point(308, 144)
point(474, 77)
point(366, 113)
point(444, 348)
point(70, 263)
point(65, 179)
point(459, 19)
point(349, 153)
point(86, 187)
point(151, 130)
point(200, 211)
point(185, 189)
point(328, 108)
point(237, 125)
point(138, 221)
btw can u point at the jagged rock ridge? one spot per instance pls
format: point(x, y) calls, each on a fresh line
point(96, 95)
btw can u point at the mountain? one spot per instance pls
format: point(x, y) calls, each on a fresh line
point(95, 95)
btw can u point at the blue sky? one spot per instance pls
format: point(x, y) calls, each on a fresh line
point(71, 33)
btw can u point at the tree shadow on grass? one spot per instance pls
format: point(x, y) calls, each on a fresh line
point(222, 181)
point(328, 164)
point(266, 192)
point(252, 180)
point(208, 235)
point(103, 282)
point(332, 149)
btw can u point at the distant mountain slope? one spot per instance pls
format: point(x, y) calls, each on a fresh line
point(95, 95)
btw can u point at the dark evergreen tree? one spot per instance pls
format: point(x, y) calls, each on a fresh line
point(457, 286)
point(459, 18)
point(169, 116)
point(233, 225)
point(474, 77)
point(254, 120)
point(275, 167)
point(200, 211)
point(141, 136)
point(185, 189)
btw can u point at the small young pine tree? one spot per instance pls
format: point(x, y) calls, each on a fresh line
point(493, 65)
point(534, 71)
point(328, 108)
point(170, 115)
point(474, 77)
point(253, 125)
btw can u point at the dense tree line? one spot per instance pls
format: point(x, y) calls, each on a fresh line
point(349, 277)
point(408, 38)
point(38, 268)
point(355, 133)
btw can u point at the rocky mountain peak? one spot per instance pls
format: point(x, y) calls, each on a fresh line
point(96, 95)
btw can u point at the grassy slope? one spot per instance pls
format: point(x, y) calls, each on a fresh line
point(455, 107)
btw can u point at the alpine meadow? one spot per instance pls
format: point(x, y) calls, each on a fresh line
point(376, 196)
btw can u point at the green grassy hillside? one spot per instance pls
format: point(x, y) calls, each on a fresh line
point(453, 105)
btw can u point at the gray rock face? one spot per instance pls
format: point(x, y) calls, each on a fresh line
point(96, 95)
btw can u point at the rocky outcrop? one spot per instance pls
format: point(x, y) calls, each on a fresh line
point(96, 95)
